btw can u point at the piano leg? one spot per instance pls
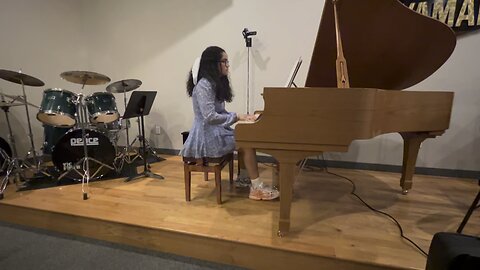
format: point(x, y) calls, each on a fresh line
point(287, 161)
point(286, 175)
point(411, 145)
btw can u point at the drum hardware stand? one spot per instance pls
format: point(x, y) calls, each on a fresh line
point(139, 105)
point(23, 79)
point(126, 157)
point(13, 164)
point(30, 135)
point(125, 86)
point(9, 167)
point(143, 143)
point(84, 162)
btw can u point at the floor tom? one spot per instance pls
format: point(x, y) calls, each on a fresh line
point(51, 135)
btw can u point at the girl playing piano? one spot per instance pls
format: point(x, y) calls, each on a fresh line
point(211, 134)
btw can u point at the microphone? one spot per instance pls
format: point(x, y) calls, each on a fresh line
point(246, 35)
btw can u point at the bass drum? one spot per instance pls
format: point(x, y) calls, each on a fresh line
point(69, 150)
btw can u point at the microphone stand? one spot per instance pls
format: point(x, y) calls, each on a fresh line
point(248, 43)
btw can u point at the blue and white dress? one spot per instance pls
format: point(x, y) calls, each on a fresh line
point(211, 134)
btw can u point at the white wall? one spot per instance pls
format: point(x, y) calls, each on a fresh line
point(43, 39)
point(157, 41)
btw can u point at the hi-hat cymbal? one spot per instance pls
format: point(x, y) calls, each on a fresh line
point(8, 104)
point(124, 86)
point(20, 98)
point(18, 77)
point(85, 77)
point(16, 98)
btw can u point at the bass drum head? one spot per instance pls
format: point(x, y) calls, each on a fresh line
point(69, 150)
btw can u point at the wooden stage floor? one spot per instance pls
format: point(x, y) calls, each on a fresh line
point(330, 228)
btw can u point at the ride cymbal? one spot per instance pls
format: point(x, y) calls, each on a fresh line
point(85, 77)
point(19, 78)
point(124, 86)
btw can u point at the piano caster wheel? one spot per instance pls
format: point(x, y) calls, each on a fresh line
point(404, 191)
point(280, 233)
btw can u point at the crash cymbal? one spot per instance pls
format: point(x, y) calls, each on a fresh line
point(124, 86)
point(85, 77)
point(19, 77)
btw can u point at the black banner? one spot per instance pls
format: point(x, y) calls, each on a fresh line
point(460, 15)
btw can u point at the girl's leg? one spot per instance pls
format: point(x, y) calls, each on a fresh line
point(258, 191)
point(250, 161)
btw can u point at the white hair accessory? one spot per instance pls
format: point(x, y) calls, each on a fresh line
point(195, 68)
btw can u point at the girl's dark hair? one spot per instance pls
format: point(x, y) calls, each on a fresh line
point(209, 69)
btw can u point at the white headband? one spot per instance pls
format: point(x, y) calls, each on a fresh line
point(195, 68)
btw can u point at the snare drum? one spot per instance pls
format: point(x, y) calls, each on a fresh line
point(69, 150)
point(102, 107)
point(58, 108)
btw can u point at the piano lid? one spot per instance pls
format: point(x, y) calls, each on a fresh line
point(386, 45)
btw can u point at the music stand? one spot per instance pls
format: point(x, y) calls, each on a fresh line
point(293, 73)
point(139, 105)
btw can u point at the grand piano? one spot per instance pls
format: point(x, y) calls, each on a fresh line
point(365, 53)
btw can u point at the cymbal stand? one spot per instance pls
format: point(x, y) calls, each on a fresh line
point(36, 166)
point(84, 162)
point(146, 145)
point(9, 167)
point(14, 164)
point(125, 156)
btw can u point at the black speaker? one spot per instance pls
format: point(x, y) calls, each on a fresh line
point(452, 251)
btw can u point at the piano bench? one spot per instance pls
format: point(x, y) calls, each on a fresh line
point(207, 165)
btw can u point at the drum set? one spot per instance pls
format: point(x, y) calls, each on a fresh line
point(81, 132)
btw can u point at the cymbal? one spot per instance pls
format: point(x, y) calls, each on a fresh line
point(85, 77)
point(124, 86)
point(18, 77)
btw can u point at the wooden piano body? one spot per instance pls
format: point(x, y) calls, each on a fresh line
point(301, 122)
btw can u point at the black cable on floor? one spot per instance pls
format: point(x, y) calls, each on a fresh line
point(354, 187)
